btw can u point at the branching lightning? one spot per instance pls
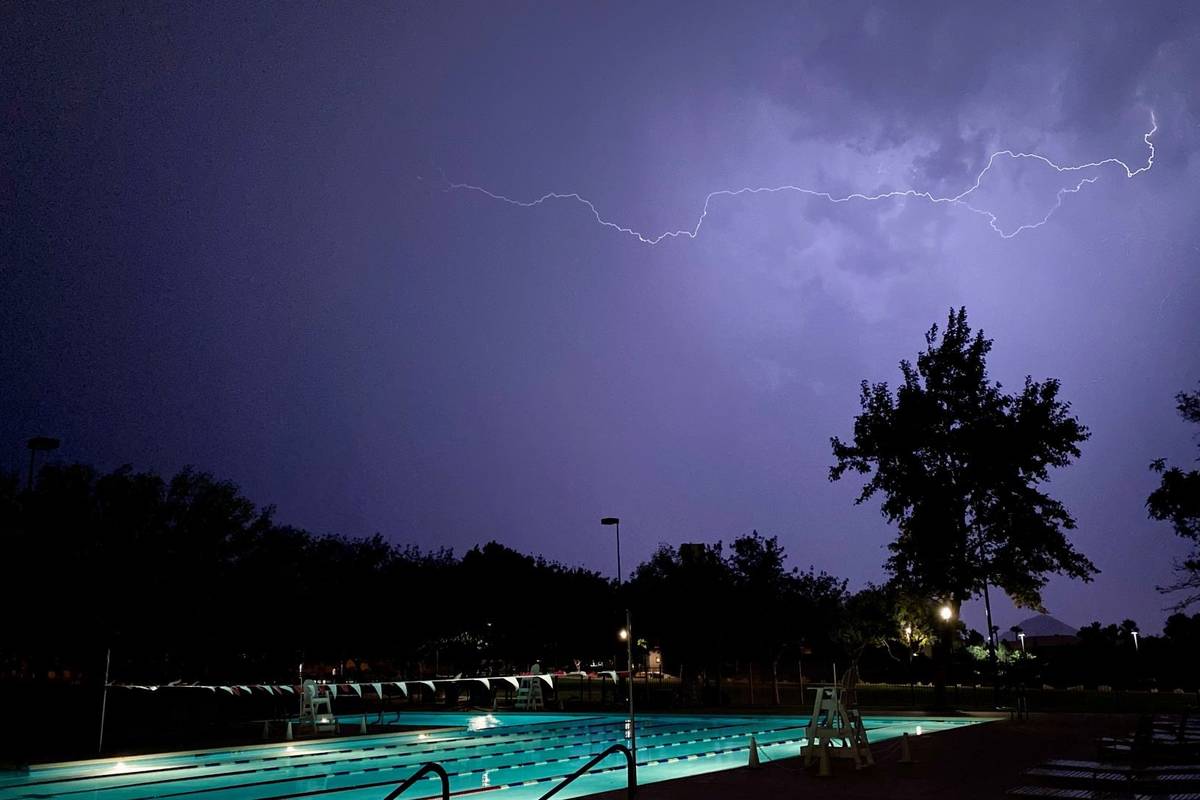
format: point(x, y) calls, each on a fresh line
point(960, 199)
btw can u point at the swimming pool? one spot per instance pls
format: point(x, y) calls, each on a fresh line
point(523, 754)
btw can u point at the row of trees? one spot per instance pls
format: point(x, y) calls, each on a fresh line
point(186, 578)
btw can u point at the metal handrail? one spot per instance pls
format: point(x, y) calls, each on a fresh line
point(416, 776)
point(630, 771)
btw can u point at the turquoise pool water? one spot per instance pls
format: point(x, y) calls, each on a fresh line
point(523, 755)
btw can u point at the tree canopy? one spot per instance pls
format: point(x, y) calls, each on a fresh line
point(1177, 500)
point(960, 465)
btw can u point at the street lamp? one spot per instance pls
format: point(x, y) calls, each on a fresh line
point(39, 443)
point(912, 689)
point(1021, 636)
point(615, 521)
point(1135, 640)
point(627, 635)
point(946, 612)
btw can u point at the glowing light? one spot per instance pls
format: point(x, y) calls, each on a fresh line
point(919, 731)
point(119, 767)
point(946, 613)
point(960, 199)
point(482, 722)
point(624, 634)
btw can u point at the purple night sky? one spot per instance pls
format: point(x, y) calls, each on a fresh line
point(226, 242)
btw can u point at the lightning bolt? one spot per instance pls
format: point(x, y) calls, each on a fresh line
point(960, 199)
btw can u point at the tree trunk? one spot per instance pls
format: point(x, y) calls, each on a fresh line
point(775, 679)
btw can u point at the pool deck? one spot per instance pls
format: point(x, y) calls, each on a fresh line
point(980, 761)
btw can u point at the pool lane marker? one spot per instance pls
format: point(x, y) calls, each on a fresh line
point(673, 723)
point(462, 744)
point(493, 768)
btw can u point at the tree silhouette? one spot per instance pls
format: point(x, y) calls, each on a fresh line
point(1177, 500)
point(959, 464)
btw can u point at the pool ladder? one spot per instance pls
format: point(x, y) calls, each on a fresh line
point(630, 771)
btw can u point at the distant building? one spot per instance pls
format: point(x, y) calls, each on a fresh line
point(1040, 631)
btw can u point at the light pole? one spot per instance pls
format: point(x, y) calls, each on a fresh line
point(628, 658)
point(39, 443)
point(912, 689)
point(1135, 640)
point(1021, 636)
point(945, 637)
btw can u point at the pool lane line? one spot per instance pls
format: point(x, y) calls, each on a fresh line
point(316, 749)
point(410, 745)
point(462, 757)
point(250, 748)
point(467, 748)
point(544, 779)
point(509, 733)
point(465, 752)
point(516, 765)
point(399, 750)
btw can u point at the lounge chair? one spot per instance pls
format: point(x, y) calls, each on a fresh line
point(1093, 794)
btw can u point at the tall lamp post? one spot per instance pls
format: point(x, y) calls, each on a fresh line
point(912, 689)
point(628, 654)
point(946, 614)
point(39, 443)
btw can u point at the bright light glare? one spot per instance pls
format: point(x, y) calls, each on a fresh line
point(624, 634)
point(482, 722)
point(946, 613)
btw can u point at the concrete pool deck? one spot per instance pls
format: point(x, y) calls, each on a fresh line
point(980, 761)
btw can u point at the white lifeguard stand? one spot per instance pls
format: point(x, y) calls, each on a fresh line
point(529, 691)
point(836, 728)
point(316, 707)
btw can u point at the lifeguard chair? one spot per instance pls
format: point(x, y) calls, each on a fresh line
point(316, 707)
point(529, 691)
point(836, 728)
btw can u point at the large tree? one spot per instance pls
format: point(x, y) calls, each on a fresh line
point(1177, 500)
point(960, 464)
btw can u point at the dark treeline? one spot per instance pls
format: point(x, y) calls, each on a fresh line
point(186, 579)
